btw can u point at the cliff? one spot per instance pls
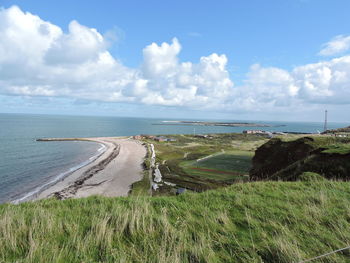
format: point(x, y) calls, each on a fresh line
point(287, 160)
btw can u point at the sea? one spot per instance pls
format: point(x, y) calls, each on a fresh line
point(28, 166)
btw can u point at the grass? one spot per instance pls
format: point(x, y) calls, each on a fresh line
point(143, 187)
point(223, 166)
point(216, 175)
point(338, 148)
point(334, 144)
point(251, 222)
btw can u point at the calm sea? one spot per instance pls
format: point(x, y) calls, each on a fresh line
point(26, 165)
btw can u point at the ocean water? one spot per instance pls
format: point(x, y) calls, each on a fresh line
point(27, 165)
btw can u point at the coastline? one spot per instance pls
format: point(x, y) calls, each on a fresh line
point(32, 195)
point(110, 173)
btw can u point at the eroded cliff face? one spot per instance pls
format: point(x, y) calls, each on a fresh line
point(279, 160)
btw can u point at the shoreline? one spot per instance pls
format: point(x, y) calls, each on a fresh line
point(110, 173)
point(32, 195)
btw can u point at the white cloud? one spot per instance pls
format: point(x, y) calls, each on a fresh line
point(170, 82)
point(336, 46)
point(265, 89)
point(80, 45)
point(38, 58)
point(24, 37)
point(325, 82)
point(161, 61)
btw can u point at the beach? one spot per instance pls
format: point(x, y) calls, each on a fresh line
point(111, 174)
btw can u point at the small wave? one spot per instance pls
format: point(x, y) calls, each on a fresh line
point(102, 148)
point(61, 176)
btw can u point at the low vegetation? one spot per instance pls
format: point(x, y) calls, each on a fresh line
point(143, 187)
point(223, 166)
point(200, 163)
point(251, 222)
point(227, 159)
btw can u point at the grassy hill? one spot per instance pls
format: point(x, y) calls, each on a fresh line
point(250, 222)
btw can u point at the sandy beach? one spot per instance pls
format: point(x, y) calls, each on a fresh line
point(111, 174)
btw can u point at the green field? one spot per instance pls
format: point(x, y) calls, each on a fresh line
point(222, 166)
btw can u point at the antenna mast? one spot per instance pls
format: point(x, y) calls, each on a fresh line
point(325, 120)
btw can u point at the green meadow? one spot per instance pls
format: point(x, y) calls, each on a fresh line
point(221, 166)
point(250, 222)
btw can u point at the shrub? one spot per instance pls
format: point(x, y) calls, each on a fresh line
point(311, 177)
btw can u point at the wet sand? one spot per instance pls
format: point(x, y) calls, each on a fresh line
point(111, 174)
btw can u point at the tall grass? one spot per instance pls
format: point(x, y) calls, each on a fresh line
point(252, 222)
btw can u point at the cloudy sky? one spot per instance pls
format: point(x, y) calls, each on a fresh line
point(258, 60)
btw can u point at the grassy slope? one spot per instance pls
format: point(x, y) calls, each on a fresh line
point(252, 222)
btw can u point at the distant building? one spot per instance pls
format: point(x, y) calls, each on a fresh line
point(341, 135)
point(160, 139)
point(204, 136)
point(164, 139)
point(259, 132)
point(254, 132)
point(137, 137)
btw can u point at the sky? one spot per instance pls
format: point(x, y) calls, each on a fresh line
point(239, 60)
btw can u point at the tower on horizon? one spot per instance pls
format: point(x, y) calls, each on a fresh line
point(325, 120)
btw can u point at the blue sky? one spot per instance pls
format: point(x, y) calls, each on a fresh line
point(267, 45)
